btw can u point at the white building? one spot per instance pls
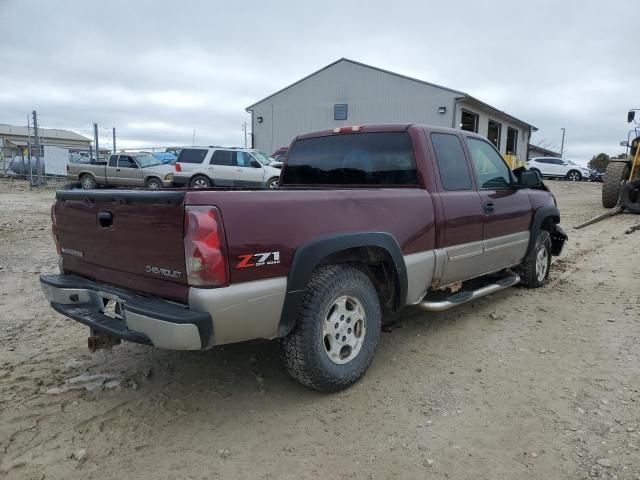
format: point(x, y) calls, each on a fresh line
point(352, 93)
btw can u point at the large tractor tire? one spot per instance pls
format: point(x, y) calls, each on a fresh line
point(631, 196)
point(616, 173)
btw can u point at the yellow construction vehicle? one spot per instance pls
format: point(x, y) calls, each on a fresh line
point(621, 186)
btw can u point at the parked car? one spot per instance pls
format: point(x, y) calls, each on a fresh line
point(552, 167)
point(367, 220)
point(134, 169)
point(596, 175)
point(165, 157)
point(204, 167)
point(281, 152)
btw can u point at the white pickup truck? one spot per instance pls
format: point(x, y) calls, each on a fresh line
point(130, 169)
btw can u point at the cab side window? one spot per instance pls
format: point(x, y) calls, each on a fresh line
point(113, 160)
point(126, 162)
point(491, 171)
point(452, 163)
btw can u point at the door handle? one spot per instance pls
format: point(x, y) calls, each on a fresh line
point(489, 207)
point(117, 169)
point(238, 170)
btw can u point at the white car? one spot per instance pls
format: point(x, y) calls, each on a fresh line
point(557, 167)
point(204, 167)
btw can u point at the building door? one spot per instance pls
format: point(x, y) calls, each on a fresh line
point(468, 121)
point(506, 210)
point(494, 132)
point(512, 141)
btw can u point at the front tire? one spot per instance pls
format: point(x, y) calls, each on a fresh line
point(574, 176)
point(337, 330)
point(88, 182)
point(534, 270)
point(272, 183)
point(154, 183)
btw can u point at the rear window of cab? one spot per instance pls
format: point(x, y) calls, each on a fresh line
point(383, 158)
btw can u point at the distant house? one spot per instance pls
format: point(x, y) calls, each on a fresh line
point(14, 140)
point(347, 92)
point(536, 151)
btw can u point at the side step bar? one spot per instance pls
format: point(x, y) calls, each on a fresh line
point(464, 297)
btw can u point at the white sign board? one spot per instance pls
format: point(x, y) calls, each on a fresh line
point(55, 160)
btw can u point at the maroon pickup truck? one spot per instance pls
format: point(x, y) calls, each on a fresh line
point(366, 220)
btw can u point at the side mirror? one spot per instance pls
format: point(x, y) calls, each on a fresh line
point(624, 143)
point(530, 179)
point(255, 164)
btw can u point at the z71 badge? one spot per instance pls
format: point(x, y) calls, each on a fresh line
point(258, 259)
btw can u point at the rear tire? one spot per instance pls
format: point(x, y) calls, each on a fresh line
point(88, 182)
point(272, 183)
point(615, 174)
point(200, 181)
point(337, 330)
point(534, 269)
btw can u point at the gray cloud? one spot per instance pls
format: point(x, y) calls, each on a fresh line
point(157, 70)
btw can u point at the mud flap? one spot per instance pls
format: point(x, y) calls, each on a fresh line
point(558, 238)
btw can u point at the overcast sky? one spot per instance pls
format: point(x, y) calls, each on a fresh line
point(157, 70)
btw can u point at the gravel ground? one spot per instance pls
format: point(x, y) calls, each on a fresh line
point(540, 384)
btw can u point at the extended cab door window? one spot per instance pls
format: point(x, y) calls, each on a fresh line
point(491, 170)
point(113, 160)
point(452, 162)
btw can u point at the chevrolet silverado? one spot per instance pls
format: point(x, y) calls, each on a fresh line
point(366, 220)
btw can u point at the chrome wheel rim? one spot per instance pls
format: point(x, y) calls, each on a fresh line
point(87, 183)
point(200, 183)
point(153, 185)
point(573, 176)
point(542, 260)
point(272, 184)
point(343, 329)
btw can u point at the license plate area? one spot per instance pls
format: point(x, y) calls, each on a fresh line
point(112, 306)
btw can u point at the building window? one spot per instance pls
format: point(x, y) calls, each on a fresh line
point(494, 132)
point(512, 141)
point(340, 111)
point(468, 121)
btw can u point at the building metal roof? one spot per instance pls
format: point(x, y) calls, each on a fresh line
point(462, 95)
point(46, 133)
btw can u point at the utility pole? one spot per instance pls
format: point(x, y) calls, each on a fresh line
point(29, 150)
point(562, 146)
point(95, 140)
point(114, 139)
point(193, 139)
point(244, 130)
point(37, 140)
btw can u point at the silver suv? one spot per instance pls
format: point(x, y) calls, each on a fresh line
point(203, 167)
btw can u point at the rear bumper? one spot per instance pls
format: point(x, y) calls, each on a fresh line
point(141, 319)
point(180, 180)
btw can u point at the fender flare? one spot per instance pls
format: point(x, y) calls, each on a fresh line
point(150, 176)
point(308, 256)
point(542, 214)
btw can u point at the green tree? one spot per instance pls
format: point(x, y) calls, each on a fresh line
point(599, 162)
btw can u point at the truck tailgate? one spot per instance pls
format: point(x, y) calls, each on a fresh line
point(132, 239)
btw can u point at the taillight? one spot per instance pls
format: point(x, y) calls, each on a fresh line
point(205, 247)
point(54, 228)
point(355, 128)
point(178, 167)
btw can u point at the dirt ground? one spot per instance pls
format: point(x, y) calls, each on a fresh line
point(541, 384)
